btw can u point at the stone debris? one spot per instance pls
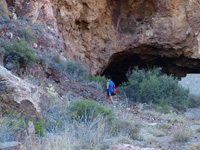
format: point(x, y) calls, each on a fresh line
point(129, 147)
point(9, 145)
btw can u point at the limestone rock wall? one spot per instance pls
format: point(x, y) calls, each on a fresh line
point(95, 31)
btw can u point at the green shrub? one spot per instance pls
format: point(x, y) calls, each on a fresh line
point(88, 109)
point(29, 34)
point(153, 87)
point(39, 127)
point(18, 52)
point(75, 69)
point(100, 79)
point(4, 12)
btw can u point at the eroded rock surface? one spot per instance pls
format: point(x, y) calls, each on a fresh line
point(20, 95)
point(98, 32)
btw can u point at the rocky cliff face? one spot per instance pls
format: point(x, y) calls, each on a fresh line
point(103, 34)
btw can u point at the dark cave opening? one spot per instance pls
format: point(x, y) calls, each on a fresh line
point(121, 63)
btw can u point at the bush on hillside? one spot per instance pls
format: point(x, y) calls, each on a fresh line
point(4, 12)
point(98, 79)
point(153, 87)
point(19, 52)
point(75, 69)
point(88, 109)
point(29, 34)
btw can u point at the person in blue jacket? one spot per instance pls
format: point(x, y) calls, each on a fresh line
point(109, 89)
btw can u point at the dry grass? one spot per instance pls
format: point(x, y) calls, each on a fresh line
point(182, 134)
point(152, 113)
point(155, 131)
point(10, 125)
point(164, 126)
point(62, 132)
point(94, 135)
point(145, 135)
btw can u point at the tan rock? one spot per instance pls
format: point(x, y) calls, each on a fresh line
point(35, 45)
point(20, 95)
point(13, 16)
point(31, 141)
point(31, 128)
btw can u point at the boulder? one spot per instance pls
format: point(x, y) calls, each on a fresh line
point(19, 95)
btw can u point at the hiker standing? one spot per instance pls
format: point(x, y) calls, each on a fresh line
point(109, 89)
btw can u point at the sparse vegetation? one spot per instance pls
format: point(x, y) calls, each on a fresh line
point(10, 125)
point(75, 69)
point(63, 126)
point(85, 124)
point(4, 12)
point(19, 52)
point(153, 87)
point(182, 134)
point(127, 127)
point(29, 34)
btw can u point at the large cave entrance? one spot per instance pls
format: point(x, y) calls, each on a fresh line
point(122, 62)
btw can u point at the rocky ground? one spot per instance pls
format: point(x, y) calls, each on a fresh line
point(170, 131)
